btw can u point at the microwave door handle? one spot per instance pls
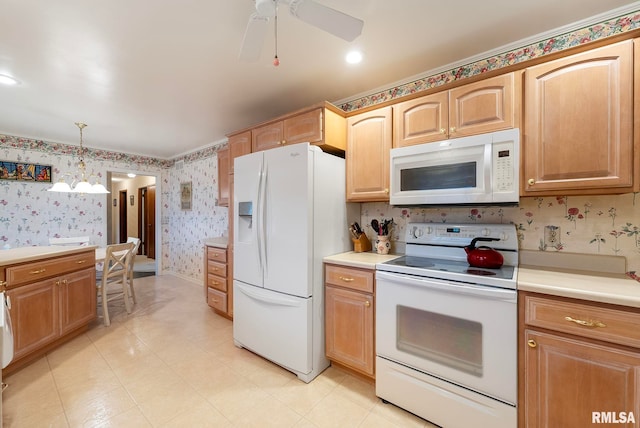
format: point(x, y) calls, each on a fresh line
point(488, 168)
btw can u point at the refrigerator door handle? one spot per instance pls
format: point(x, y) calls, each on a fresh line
point(263, 215)
point(281, 300)
point(259, 218)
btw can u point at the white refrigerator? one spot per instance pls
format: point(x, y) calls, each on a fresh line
point(289, 213)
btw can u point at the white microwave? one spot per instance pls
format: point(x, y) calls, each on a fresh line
point(481, 169)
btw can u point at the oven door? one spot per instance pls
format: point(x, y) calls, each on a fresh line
point(462, 333)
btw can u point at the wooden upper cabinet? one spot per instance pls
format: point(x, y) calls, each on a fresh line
point(369, 139)
point(484, 106)
point(321, 126)
point(305, 127)
point(421, 120)
point(239, 145)
point(578, 135)
point(267, 136)
point(476, 108)
point(223, 177)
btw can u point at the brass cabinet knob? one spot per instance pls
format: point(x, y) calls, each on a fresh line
point(452, 129)
point(443, 131)
point(531, 181)
point(532, 343)
point(386, 191)
point(367, 303)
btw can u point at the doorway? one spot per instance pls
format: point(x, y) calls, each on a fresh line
point(146, 220)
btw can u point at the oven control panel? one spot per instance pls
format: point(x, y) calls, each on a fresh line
point(462, 234)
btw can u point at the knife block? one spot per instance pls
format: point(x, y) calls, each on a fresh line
point(362, 244)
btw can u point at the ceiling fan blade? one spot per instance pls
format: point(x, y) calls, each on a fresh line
point(330, 20)
point(253, 38)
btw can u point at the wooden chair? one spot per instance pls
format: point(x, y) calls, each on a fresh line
point(115, 271)
point(132, 261)
point(83, 241)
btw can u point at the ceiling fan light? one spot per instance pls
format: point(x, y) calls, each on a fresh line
point(266, 8)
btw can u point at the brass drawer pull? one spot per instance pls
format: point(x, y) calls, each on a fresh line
point(532, 343)
point(345, 279)
point(586, 323)
point(81, 262)
point(36, 272)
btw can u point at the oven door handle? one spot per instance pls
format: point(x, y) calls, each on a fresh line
point(452, 287)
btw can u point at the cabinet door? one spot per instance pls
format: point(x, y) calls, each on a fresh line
point(305, 127)
point(349, 328)
point(579, 123)
point(34, 315)
point(481, 107)
point(223, 177)
point(239, 145)
point(367, 158)
point(267, 136)
point(566, 380)
point(422, 120)
point(77, 300)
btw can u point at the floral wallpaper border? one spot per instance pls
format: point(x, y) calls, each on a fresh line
point(20, 143)
point(608, 28)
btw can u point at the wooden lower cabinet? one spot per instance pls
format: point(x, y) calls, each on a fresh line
point(564, 378)
point(217, 292)
point(349, 318)
point(48, 311)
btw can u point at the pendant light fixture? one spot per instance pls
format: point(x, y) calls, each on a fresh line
point(81, 184)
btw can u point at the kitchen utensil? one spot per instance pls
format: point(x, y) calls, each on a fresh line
point(483, 256)
point(358, 228)
point(375, 225)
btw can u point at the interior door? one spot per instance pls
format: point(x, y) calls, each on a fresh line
point(150, 219)
point(122, 216)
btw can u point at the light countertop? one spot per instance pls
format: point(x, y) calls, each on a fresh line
point(566, 277)
point(27, 254)
point(219, 242)
point(360, 260)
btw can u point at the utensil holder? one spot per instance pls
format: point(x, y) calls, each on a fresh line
point(362, 244)
point(382, 244)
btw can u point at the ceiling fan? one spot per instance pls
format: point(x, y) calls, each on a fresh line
point(325, 18)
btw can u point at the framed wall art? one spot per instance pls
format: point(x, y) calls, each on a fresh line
point(185, 195)
point(20, 171)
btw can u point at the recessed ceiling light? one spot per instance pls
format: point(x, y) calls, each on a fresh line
point(7, 80)
point(354, 57)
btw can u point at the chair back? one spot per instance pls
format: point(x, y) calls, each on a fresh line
point(83, 241)
point(116, 260)
point(134, 252)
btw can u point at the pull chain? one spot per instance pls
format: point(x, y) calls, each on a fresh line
point(276, 61)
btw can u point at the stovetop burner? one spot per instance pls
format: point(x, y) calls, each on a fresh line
point(480, 272)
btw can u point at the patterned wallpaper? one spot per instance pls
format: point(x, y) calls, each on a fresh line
point(577, 224)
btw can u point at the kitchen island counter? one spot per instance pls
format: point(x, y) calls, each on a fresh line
point(14, 256)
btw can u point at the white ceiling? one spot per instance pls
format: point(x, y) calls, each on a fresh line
point(161, 77)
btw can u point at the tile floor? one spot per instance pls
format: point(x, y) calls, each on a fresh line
point(172, 363)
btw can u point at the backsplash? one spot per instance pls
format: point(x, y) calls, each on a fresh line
point(577, 224)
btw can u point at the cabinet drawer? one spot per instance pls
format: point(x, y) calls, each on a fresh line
point(217, 299)
point(353, 278)
point(218, 269)
point(217, 254)
point(584, 319)
point(30, 272)
point(217, 282)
